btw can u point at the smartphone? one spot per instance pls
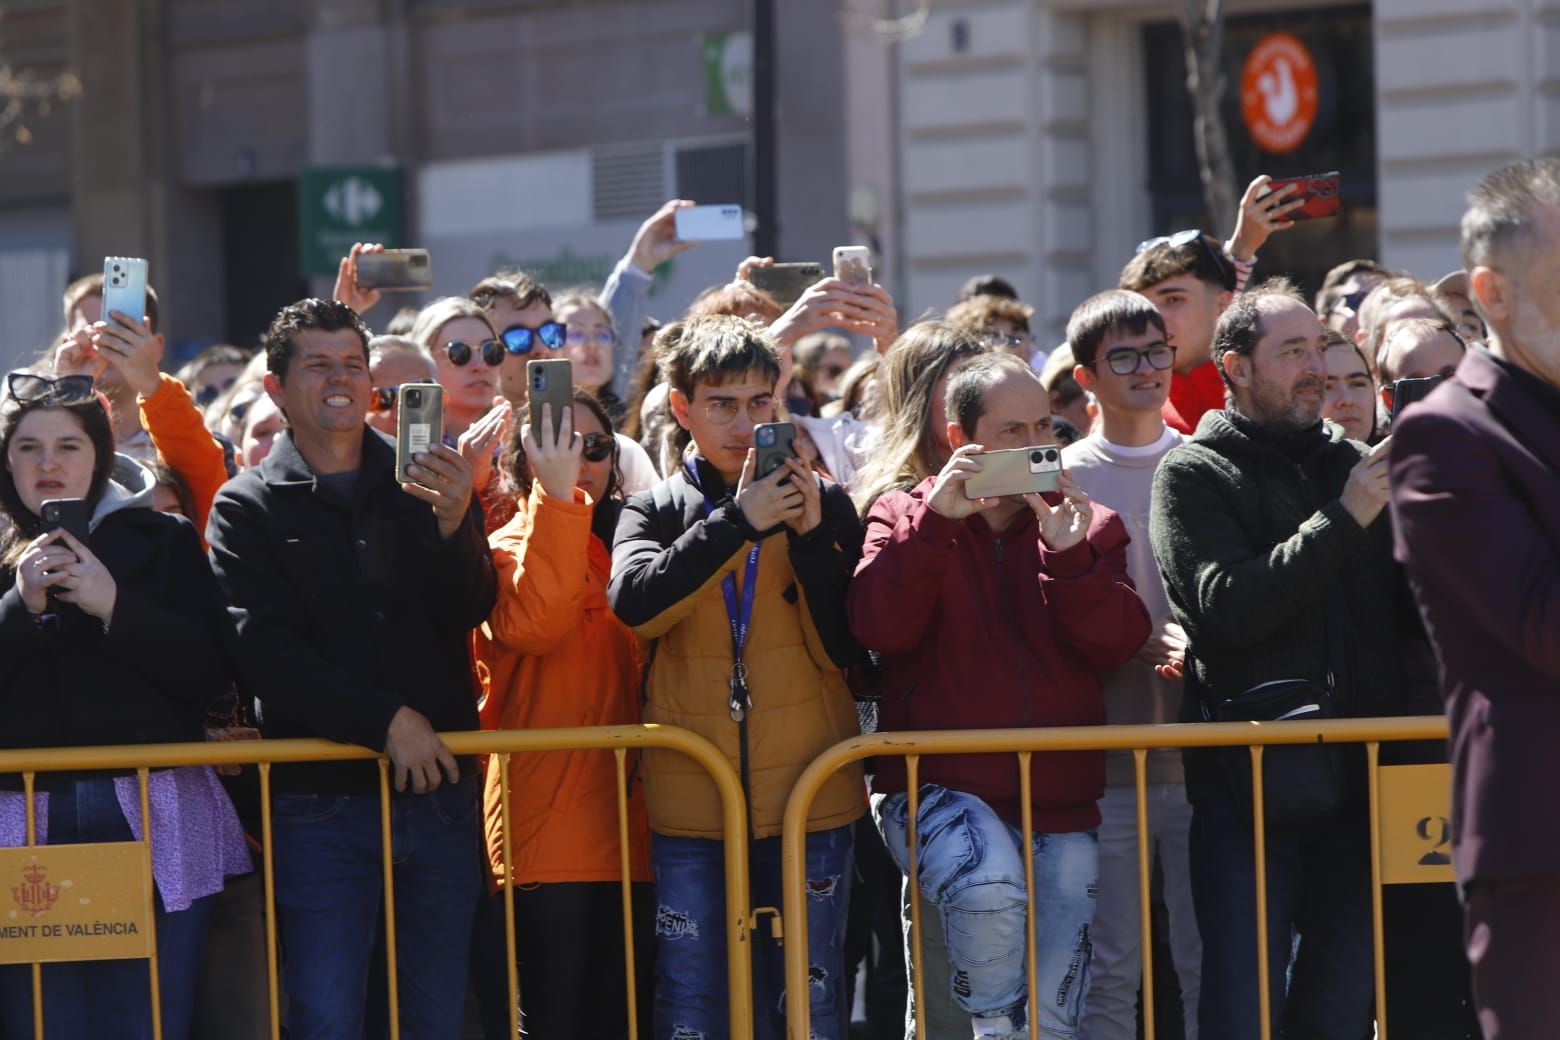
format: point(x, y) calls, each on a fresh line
point(549, 381)
point(787, 282)
point(419, 424)
point(1016, 471)
point(71, 514)
point(395, 270)
point(773, 443)
point(709, 223)
point(853, 264)
point(1409, 391)
point(1320, 191)
point(124, 286)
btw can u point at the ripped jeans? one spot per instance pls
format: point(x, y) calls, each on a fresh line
point(690, 932)
point(972, 870)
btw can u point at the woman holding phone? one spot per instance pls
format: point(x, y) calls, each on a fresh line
point(108, 639)
point(553, 654)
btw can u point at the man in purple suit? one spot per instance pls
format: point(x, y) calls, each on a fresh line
point(1476, 509)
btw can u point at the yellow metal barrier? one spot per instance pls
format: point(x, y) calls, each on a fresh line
point(1139, 740)
point(501, 744)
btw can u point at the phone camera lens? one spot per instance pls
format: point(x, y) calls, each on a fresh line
point(1036, 457)
point(766, 438)
point(414, 398)
point(1050, 455)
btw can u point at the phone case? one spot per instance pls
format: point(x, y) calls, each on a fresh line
point(709, 223)
point(1016, 471)
point(124, 286)
point(1320, 191)
point(787, 282)
point(773, 443)
point(395, 270)
point(853, 264)
point(419, 424)
point(549, 381)
point(70, 513)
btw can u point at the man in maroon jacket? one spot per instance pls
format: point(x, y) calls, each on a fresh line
point(1476, 511)
point(998, 613)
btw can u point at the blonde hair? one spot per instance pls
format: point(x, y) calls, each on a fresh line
point(907, 452)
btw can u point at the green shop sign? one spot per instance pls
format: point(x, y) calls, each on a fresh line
point(340, 205)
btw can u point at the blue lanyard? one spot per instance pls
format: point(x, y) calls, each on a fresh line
point(740, 618)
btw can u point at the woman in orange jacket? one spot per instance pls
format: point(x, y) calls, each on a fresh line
point(553, 654)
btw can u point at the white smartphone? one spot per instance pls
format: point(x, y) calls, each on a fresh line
point(709, 223)
point(853, 264)
point(124, 287)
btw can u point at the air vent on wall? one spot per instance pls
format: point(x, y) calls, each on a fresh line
point(627, 180)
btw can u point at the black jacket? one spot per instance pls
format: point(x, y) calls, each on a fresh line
point(343, 614)
point(65, 682)
point(1255, 549)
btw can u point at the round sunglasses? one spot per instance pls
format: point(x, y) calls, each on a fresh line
point(460, 352)
point(522, 339)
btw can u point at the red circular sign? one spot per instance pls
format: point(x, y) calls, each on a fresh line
point(1278, 93)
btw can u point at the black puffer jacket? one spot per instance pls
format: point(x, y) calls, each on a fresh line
point(151, 676)
point(1255, 548)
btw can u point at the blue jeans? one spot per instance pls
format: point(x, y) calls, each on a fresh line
point(690, 930)
point(330, 895)
point(972, 869)
point(108, 998)
point(1318, 885)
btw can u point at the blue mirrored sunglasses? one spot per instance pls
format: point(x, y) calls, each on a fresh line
point(522, 339)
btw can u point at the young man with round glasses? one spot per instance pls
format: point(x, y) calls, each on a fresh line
point(1125, 360)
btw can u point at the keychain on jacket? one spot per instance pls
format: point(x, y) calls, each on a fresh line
point(741, 618)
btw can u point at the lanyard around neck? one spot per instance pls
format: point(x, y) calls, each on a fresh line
point(739, 615)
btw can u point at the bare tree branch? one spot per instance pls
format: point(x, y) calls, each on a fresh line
point(24, 97)
point(1202, 37)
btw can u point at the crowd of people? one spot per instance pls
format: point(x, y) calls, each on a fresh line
point(1220, 546)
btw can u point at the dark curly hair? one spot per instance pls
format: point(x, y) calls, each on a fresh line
point(327, 315)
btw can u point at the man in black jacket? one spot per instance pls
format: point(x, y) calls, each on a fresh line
point(1267, 528)
point(353, 597)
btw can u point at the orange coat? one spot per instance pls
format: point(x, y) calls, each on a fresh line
point(553, 654)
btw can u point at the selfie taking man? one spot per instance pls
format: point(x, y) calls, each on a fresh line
point(1418, 348)
point(1268, 530)
point(998, 613)
point(740, 580)
point(1191, 278)
point(1124, 360)
point(1476, 506)
point(353, 596)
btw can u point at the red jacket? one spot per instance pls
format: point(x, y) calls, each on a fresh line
point(1200, 390)
point(980, 630)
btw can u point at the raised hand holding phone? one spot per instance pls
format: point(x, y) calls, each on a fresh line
point(948, 498)
point(359, 297)
point(84, 580)
point(553, 452)
point(1262, 212)
point(40, 569)
point(806, 482)
point(441, 478)
point(130, 345)
point(1067, 523)
point(767, 502)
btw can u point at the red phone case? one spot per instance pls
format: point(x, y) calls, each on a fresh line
point(1320, 191)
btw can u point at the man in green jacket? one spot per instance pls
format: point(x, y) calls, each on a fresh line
point(1267, 528)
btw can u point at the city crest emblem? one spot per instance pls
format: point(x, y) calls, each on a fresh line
point(35, 894)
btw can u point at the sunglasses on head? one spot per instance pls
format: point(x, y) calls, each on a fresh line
point(460, 352)
point(26, 388)
point(522, 339)
point(1186, 238)
point(597, 446)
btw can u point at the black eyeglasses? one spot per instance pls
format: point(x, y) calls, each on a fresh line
point(1186, 238)
point(597, 446)
point(1126, 360)
point(1350, 300)
point(382, 398)
point(522, 339)
point(26, 388)
point(460, 351)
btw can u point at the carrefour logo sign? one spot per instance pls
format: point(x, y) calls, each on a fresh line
point(354, 201)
